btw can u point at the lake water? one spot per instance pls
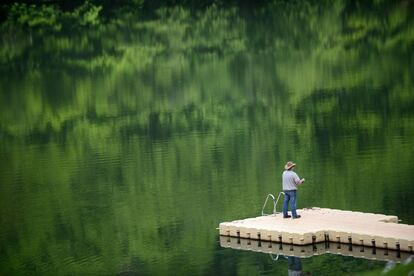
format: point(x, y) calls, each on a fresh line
point(124, 145)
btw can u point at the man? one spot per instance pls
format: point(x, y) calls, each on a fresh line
point(290, 182)
point(294, 266)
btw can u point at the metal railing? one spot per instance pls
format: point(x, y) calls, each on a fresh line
point(274, 203)
point(277, 256)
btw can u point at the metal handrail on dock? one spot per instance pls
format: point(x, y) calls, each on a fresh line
point(274, 203)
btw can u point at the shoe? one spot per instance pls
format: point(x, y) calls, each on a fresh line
point(288, 216)
point(298, 216)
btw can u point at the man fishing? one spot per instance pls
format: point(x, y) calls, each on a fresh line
point(290, 182)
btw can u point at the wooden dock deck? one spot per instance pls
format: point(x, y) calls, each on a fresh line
point(325, 225)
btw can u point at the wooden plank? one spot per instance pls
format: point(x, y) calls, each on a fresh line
point(316, 224)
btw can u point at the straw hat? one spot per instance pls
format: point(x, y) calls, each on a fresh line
point(289, 165)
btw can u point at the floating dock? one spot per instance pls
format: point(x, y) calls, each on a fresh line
point(307, 251)
point(325, 225)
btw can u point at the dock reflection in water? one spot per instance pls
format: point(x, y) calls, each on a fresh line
point(306, 251)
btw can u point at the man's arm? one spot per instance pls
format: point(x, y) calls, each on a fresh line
point(298, 181)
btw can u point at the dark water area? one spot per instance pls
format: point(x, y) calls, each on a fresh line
point(124, 145)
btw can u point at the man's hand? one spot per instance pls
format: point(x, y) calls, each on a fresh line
point(302, 180)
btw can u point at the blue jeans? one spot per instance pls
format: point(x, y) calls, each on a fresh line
point(290, 196)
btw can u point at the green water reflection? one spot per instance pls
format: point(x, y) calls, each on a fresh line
point(125, 144)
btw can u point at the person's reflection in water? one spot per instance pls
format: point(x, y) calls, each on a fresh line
point(294, 266)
